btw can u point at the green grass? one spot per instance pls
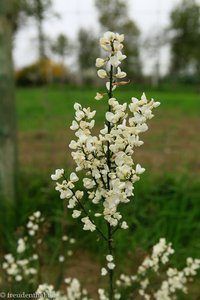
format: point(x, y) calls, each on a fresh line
point(50, 108)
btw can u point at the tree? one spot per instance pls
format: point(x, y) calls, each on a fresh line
point(88, 50)
point(39, 10)
point(113, 16)
point(185, 41)
point(61, 47)
point(8, 148)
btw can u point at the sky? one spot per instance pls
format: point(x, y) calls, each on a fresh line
point(149, 15)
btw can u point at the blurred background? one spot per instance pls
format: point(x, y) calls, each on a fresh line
point(47, 62)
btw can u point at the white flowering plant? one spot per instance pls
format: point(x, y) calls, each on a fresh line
point(156, 279)
point(106, 171)
point(110, 172)
point(24, 267)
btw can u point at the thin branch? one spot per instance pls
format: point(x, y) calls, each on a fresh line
point(86, 213)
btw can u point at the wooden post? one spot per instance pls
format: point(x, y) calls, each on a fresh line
point(8, 149)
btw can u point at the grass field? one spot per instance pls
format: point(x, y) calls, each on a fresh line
point(167, 198)
point(172, 143)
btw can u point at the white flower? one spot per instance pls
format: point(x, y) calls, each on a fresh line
point(21, 246)
point(79, 194)
point(58, 174)
point(61, 258)
point(66, 194)
point(111, 265)
point(119, 37)
point(64, 237)
point(102, 73)
point(124, 225)
point(104, 272)
point(139, 170)
point(120, 56)
point(73, 177)
point(109, 257)
point(77, 106)
point(76, 214)
point(98, 96)
point(97, 215)
point(120, 74)
point(88, 183)
point(72, 241)
point(100, 62)
point(73, 145)
point(156, 104)
point(37, 214)
point(109, 35)
point(74, 125)
point(109, 116)
point(114, 60)
point(88, 225)
point(18, 278)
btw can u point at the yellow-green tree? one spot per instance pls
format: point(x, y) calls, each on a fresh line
point(185, 41)
point(39, 10)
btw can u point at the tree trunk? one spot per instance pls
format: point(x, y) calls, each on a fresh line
point(41, 39)
point(8, 152)
point(40, 19)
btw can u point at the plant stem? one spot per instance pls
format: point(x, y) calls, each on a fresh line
point(111, 289)
point(110, 248)
point(87, 213)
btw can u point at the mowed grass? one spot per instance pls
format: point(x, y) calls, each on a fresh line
point(37, 106)
point(166, 201)
point(45, 114)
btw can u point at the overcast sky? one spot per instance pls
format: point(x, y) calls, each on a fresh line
point(148, 14)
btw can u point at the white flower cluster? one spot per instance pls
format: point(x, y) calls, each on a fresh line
point(73, 291)
point(19, 269)
point(21, 245)
point(175, 281)
point(103, 295)
point(160, 254)
point(111, 181)
point(34, 222)
point(107, 159)
point(23, 265)
point(111, 43)
point(47, 291)
point(110, 265)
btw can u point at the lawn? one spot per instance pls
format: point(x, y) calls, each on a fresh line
point(44, 115)
point(166, 201)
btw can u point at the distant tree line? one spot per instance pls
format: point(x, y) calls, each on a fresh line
point(183, 36)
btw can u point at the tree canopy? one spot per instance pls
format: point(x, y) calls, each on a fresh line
point(185, 41)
